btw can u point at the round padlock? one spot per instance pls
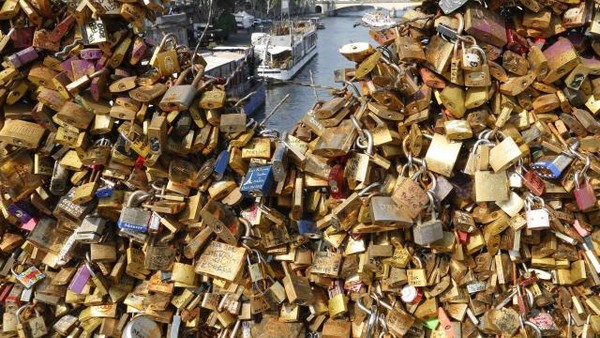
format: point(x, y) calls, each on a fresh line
point(142, 327)
point(411, 294)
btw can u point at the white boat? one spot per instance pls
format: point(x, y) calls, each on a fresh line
point(378, 19)
point(318, 22)
point(286, 49)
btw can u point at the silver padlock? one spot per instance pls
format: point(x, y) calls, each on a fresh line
point(537, 219)
point(91, 229)
point(135, 218)
point(430, 231)
point(471, 58)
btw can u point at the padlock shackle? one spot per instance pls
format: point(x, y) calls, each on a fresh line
point(20, 310)
point(417, 261)
point(432, 203)
point(383, 323)
point(538, 331)
point(576, 178)
point(164, 40)
point(357, 125)
point(461, 23)
point(182, 76)
point(362, 306)
point(480, 142)
point(368, 188)
point(360, 142)
point(531, 199)
point(137, 196)
point(199, 75)
point(380, 301)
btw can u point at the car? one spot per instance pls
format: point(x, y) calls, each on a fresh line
point(259, 21)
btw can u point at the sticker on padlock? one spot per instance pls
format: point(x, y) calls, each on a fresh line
point(259, 181)
point(29, 277)
point(135, 218)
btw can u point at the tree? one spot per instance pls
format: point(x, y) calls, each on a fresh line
point(270, 6)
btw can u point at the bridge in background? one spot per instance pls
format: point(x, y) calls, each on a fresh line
point(331, 7)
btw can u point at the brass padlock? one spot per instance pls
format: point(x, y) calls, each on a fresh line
point(212, 99)
point(167, 61)
point(32, 328)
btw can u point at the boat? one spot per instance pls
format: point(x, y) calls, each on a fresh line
point(236, 68)
point(318, 22)
point(286, 49)
point(378, 19)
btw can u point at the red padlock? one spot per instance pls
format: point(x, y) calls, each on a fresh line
point(534, 183)
point(516, 42)
point(463, 237)
point(337, 182)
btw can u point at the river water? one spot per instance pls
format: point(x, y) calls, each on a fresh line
point(338, 31)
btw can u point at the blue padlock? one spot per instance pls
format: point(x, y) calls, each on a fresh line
point(259, 181)
point(221, 165)
point(308, 228)
point(21, 211)
point(104, 191)
point(552, 167)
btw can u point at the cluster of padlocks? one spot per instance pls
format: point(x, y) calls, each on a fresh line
point(447, 189)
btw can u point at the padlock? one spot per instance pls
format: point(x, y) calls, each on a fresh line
point(584, 192)
point(409, 49)
point(478, 76)
point(166, 61)
point(504, 154)
point(490, 186)
point(485, 25)
point(135, 218)
point(338, 302)
point(157, 134)
point(417, 276)
point(29, 277)
point(212, 99)
point(259, 181)
point(91, 229)
point(552, 167)
point(79, 279)
point(9, 319)
point(98, 154)
point(233, 123)
point(438, 53)
point(431, 230)
point(222, 221)
point(537, 219)
point(409, 195)
point(442, 155)
point(32, 328)
point(179, 96)
point(471, 57)
point(384, 211)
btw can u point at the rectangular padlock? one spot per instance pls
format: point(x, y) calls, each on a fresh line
point(259, 181)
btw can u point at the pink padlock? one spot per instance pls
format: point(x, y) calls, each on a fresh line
point(584, 193)
point(580, 230)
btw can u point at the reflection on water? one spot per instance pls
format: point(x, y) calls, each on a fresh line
point(339, 31)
